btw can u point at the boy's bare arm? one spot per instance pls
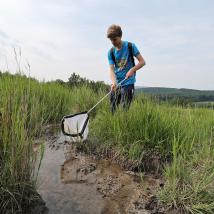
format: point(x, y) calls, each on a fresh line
point(141, 63)
point(112, 77)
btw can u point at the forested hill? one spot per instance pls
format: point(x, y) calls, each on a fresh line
point(193, 94)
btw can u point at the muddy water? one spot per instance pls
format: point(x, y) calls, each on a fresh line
point(71, 182)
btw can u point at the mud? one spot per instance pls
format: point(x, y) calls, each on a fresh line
point(70, 181)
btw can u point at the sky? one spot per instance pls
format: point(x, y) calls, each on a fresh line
point(59, 37)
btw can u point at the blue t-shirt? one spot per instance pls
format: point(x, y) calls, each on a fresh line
point(123, 62)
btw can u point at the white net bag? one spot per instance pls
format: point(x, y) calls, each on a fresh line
point(76, 126)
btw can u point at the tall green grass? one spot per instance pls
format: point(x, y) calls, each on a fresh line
point(150, 125)
point(190, 177)
point(26, 105)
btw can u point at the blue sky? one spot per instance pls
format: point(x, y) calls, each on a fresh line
point(60, 37)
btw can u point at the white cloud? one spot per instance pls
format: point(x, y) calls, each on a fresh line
point(61, 37)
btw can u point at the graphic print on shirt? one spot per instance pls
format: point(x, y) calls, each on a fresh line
point(122, 63)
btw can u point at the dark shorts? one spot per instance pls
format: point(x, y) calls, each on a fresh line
point(123, 95)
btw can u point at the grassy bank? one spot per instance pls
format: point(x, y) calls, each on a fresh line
point(26, 105)
point(180, 136)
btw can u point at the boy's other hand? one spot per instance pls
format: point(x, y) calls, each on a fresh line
point(113, 86)
point(130, 73)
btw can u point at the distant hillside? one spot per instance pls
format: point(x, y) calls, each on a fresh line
point(193, 94)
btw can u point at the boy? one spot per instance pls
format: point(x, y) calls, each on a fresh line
point(122, 66)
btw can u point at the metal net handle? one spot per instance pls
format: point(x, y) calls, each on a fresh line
point(105, 97)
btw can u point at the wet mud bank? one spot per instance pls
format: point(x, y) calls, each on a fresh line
point(72, 180)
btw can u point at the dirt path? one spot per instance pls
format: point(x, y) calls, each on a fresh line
point(72, 182)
